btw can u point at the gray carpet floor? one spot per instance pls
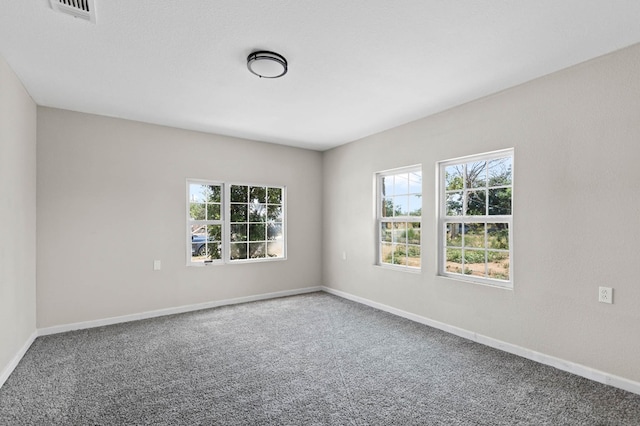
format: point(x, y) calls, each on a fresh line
point(313, 359)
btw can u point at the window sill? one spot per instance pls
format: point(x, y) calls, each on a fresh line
point(416, 271)
point(486, 283)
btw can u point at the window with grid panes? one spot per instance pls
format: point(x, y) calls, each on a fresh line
point(205, 222)
point(475, 214)
point(234, 223)
point(256, 222)
point(399, 214)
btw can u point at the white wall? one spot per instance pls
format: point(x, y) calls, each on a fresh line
point(111, 199)
point(576, 135)
point(17, 217)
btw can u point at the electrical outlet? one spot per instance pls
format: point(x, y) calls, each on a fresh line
point(157, 265)
point(605, 295)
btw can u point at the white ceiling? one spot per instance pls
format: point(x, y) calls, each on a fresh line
point(356, 67)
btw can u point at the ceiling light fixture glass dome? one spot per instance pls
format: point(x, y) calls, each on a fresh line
point(266, 64)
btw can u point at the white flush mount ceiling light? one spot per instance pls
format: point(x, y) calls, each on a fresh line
point(267, 64)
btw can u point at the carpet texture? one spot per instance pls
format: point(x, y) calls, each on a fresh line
point(313, 359)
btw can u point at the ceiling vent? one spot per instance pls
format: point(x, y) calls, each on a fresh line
point(83, 9)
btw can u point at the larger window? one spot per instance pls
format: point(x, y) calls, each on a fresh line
point(256, 220)
point(399, 214)
point(234, 223)
point(476, 218)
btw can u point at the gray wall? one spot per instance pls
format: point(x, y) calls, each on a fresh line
point(111, 199)
point(576, 136)
point(17, 215)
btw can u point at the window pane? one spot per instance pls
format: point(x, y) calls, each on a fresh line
point(476, 203)
point(498, 236)
point(274, 231)
point(453, 177)
point(399, 254)
point(477, 174)
point(498, 265)
point(454, 261)
point(413, 256)
point(238, 212)
point(385, 232)
point(274, 213)
point(500, 171)
point(387, 185)
point(474, 235)
point(500, 201)
point(205, 243)
point(454, 204)
point(199, 244)
point(213, 193)
point(197, 211)
point(413, 233)
point(274, 195)
point(257, 212)
point(257, 232)
point(399, 232)
point(215, 251)
point(275, 248)
point(214, 232)
point(387, 207)
point(454, 234)
point(197, 193)
point(238, 232)
point(239, 194)
point(386, 253)
point(401, 205)
point(258, 194)
point(238, 251)
point(415, 183)
point(474, 262)
point(213, 211)
point(401, 184)
point(257, 250)
point(415, 205)
point(474, 256)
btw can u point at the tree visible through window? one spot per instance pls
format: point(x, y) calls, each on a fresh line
point(235, 222)
point(476, 217)
point(256, 222)
point(205, 221)
point(399, 217)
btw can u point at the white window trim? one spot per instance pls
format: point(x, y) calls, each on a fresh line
point(379, 219)
point(443, 219)
point(203, 222)
point(226, 224)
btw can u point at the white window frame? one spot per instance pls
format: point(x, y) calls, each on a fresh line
point(380, 219)
point(225, 222)
point(443, 219)
point(191, 222)
point(227, 227)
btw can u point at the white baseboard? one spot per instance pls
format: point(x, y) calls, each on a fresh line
point(143, 315)
point(560, 364)
point(571, 367)
point(16, 359)
point(170, 311)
